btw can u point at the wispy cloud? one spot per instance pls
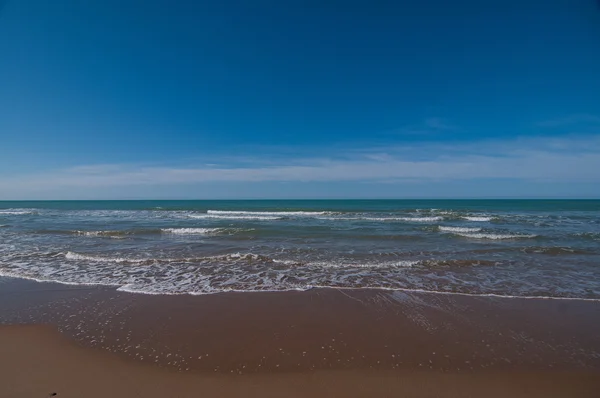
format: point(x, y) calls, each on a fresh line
point(437, 123)
point(561, 160)
point(429, 126)
point(572, 120)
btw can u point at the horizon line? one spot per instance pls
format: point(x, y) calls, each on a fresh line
point(303, 199)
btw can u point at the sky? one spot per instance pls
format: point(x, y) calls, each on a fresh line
point(299, 99)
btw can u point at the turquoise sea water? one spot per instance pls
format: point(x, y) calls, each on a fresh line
point(531, 248)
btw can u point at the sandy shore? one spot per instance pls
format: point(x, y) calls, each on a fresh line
point(99, 342)
point(36, 361)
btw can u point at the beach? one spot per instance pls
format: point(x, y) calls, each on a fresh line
point(300, 298)
point(299, 199)
point(95, 341)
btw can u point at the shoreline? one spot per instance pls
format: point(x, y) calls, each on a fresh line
point(398, 341)
point(341, 288)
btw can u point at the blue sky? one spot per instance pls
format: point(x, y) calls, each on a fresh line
point(299, 99)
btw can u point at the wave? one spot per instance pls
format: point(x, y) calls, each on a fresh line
point(588, 235)
point(384, 219)
point(126, 260)
point(192, 231)
point(494, 236)
point(234, 217)
point(477, 218)
point(458, 263)
point(147, 231)
point(281, 215)
point(137, 290)
point(251, 272)
point(383, 264)
point(169, 287)
point(267, 213)
point(458, 229)
point(417, 219)
point(259, 258)
point(16, 212)
point(154, 290)
point(385, 237)
point(407, 263)
point(77, 256)
point(447, 293)
point(555, 250)
point(21, 275)
point(108, 234)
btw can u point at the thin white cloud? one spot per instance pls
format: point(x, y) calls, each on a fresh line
point(429, 126)
point(571, 120)
point(540, 159)
point(437, 123)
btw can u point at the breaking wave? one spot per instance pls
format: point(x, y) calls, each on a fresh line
point(192, 231)
point(458, 229)
point(109, 234)
point(250, 272)
point(494, 236)
point(16, 212)
point(555, 250)
point(128, 260)
point(118, 260)
point(384, 219)
point(477, 218)
point(234, 217)
point(267, 213)
point(186, 248)
point(146, 231)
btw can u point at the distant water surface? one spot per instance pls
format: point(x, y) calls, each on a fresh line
point(530, 248)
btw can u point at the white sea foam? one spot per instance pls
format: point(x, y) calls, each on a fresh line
point(477, 218)
point(174, 231)
point(300, 256)
point(251, 272)
point(16, 212)
point(493, 295)
point(386, 219)
point(91, 233)
point(21, 275)
point(192, 231)
point(494, 236)
point(205, 288)
point(382, 264)
point(279, 215)
point(232, 257)
point(110, 234)
point(458, 229)
point(234, 217)
point(418, 219)
point(237, 257)
point(267, 213)
point(84, 257)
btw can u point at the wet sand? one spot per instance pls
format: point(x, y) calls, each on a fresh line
point(95, 341)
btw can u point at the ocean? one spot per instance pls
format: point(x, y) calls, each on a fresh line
point(512, 248)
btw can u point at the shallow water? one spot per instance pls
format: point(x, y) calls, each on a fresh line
point(531, 248)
